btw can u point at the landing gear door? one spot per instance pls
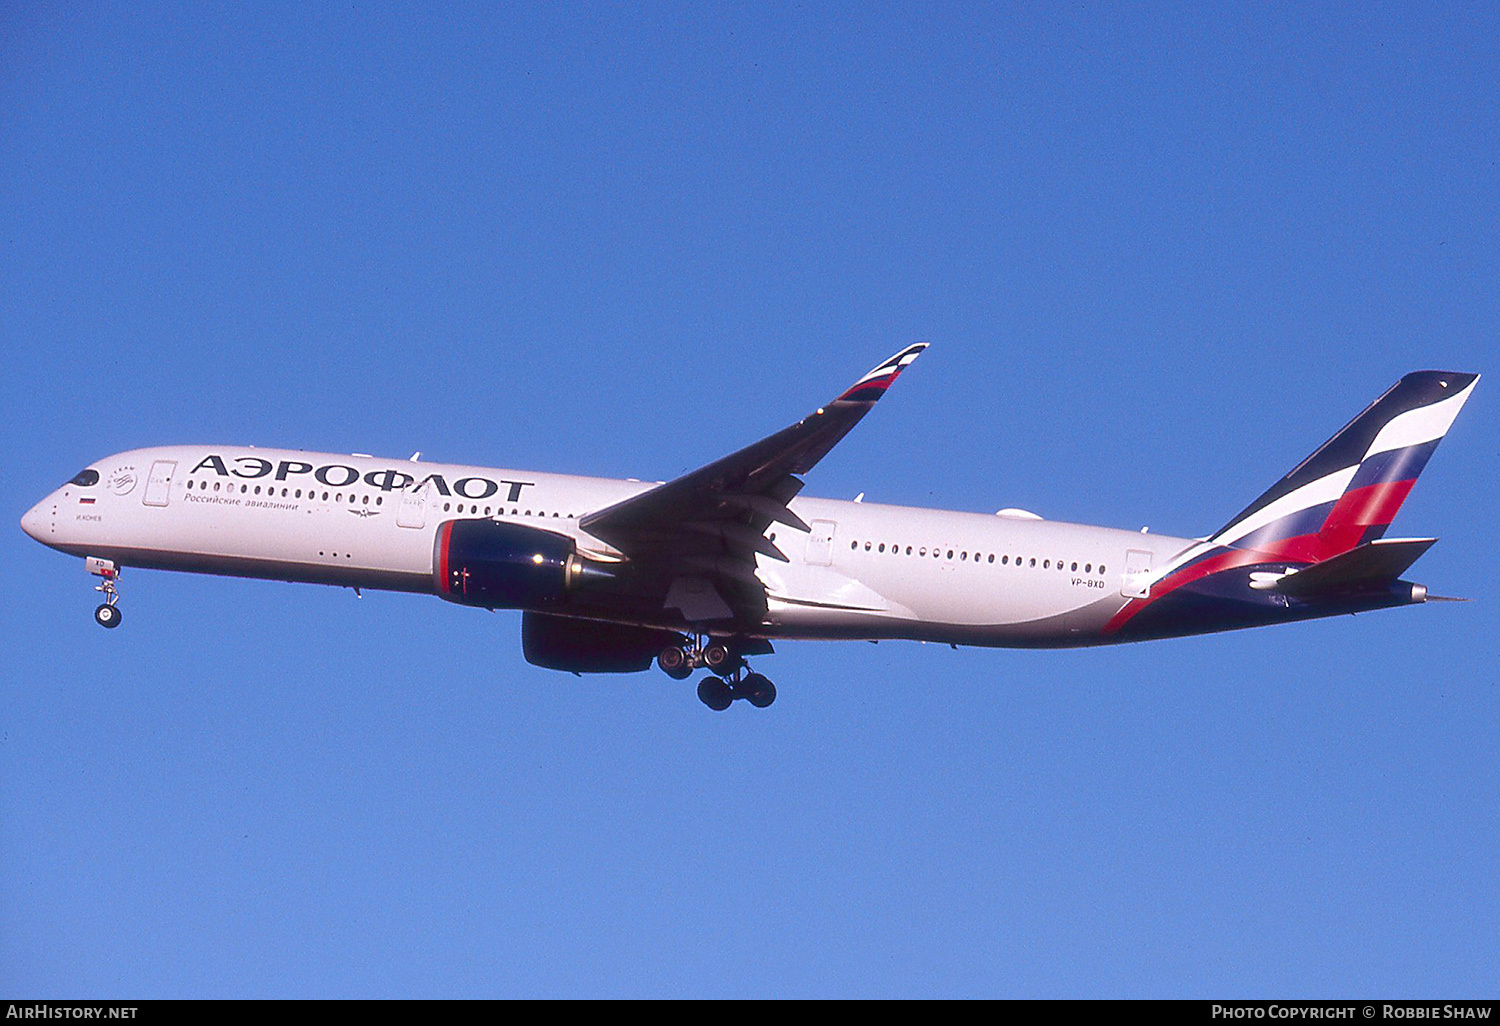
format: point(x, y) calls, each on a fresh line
point(413, 509)
point(1137, 580)
point(820, 543)
point(159, 483)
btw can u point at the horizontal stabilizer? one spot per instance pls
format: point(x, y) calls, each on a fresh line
point(1369, 565)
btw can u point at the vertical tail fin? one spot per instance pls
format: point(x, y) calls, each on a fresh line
point(1348, 491)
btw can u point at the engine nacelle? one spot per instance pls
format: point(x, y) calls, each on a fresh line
point(497, 565)
point(590, 646)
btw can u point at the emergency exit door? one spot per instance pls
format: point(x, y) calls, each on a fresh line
point(820, 543)
point(413, 509)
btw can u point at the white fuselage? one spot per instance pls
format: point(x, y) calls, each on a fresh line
point(865, 571)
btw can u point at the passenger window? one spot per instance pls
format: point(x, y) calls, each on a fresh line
point(1088, 568)
point(992, 557)
point(882, 547)
point(1033, 561)
point(950, 553)
point(1075, 566)
point(908, 550)
point(854, 545)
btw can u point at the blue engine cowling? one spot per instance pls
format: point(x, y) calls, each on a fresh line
point(590, 646)
point(506, 566)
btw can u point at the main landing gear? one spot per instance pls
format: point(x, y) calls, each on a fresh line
point(108, 614)
point(719, 692)
point(730, 677)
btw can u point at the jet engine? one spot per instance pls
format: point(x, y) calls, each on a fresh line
point(497, 565)
point(589, 646)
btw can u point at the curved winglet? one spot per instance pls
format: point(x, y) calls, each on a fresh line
point(872, 386)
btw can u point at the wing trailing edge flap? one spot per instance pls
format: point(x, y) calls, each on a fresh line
point(697, 600)
point(1366, 566)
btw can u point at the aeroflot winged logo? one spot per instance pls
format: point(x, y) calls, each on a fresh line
point(341, 475)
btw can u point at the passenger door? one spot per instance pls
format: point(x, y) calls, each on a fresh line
point(159, 483)
point(1137, 580)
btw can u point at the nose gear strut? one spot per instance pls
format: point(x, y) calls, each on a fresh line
point(108, 614)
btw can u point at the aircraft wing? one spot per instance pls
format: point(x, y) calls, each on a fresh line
point(710, 523)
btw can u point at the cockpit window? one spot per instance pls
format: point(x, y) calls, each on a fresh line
point(86, 478)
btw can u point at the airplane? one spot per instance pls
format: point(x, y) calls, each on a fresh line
point(705, 571)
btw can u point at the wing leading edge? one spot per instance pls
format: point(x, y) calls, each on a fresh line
point(710, 523)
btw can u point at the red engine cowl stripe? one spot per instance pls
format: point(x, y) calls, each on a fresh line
point(444, 534)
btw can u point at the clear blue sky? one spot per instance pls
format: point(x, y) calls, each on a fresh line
point(1162, 252)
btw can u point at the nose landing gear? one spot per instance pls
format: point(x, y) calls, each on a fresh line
point(108, 614)
point(730, 677)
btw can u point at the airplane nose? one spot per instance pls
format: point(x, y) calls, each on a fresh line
point(32, 521)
